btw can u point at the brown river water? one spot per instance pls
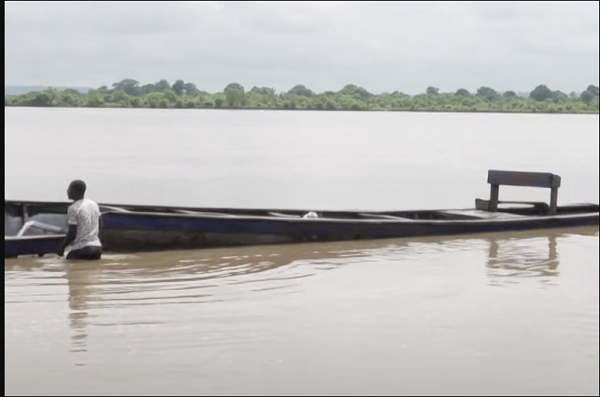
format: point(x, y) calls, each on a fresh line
point(490, 314)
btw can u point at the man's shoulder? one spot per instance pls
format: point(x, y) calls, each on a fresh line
point(83, 204)
point(91, 204)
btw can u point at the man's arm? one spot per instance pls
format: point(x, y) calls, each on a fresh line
point(71, 233)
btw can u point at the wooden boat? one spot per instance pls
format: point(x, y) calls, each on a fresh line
point(38, 227)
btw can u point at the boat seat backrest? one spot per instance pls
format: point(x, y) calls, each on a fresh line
point(496, 178)
point(516, 178)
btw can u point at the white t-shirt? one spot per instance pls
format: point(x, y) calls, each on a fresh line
point(85, 214)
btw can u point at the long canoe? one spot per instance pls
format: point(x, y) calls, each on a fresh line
point(36, 228)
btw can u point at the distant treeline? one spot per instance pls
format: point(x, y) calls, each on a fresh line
point(129, 93)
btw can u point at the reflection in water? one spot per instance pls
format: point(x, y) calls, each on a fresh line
point(514, 258)
point(82, 280)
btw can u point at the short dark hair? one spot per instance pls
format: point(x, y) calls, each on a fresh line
point(78, 186)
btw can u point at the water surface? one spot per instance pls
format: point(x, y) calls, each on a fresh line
point(490, 314)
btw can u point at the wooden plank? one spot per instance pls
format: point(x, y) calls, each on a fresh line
point(383, 216)
point(484, 205)
point(493, 203)
point(282, 215)
point(553, 201)
point(484, 214)
point(201, 213)
point(518, 178)
point(112, 208)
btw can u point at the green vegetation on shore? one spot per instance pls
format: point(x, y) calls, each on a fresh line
point(129, 93)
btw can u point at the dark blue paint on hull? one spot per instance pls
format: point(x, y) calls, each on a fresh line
point(336, 229)
point(33, 245)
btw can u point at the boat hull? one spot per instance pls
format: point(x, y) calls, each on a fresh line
point(141, 228)
point(123, 232)
point(30, 245)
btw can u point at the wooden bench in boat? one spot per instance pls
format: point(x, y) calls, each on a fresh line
point(283, 215)
point(384, 216)
point(517, 178)
point(483, 214)
point(104, 208)
point(202, 213)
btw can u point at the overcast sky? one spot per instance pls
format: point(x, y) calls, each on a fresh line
point(380, 46)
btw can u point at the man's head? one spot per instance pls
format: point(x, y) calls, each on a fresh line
point(76, 190)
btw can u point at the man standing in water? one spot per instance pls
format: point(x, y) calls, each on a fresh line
point(84, 219)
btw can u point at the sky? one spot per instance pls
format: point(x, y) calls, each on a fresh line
point(380, 46)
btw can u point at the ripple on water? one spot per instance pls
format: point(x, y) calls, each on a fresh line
point(393, 298)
